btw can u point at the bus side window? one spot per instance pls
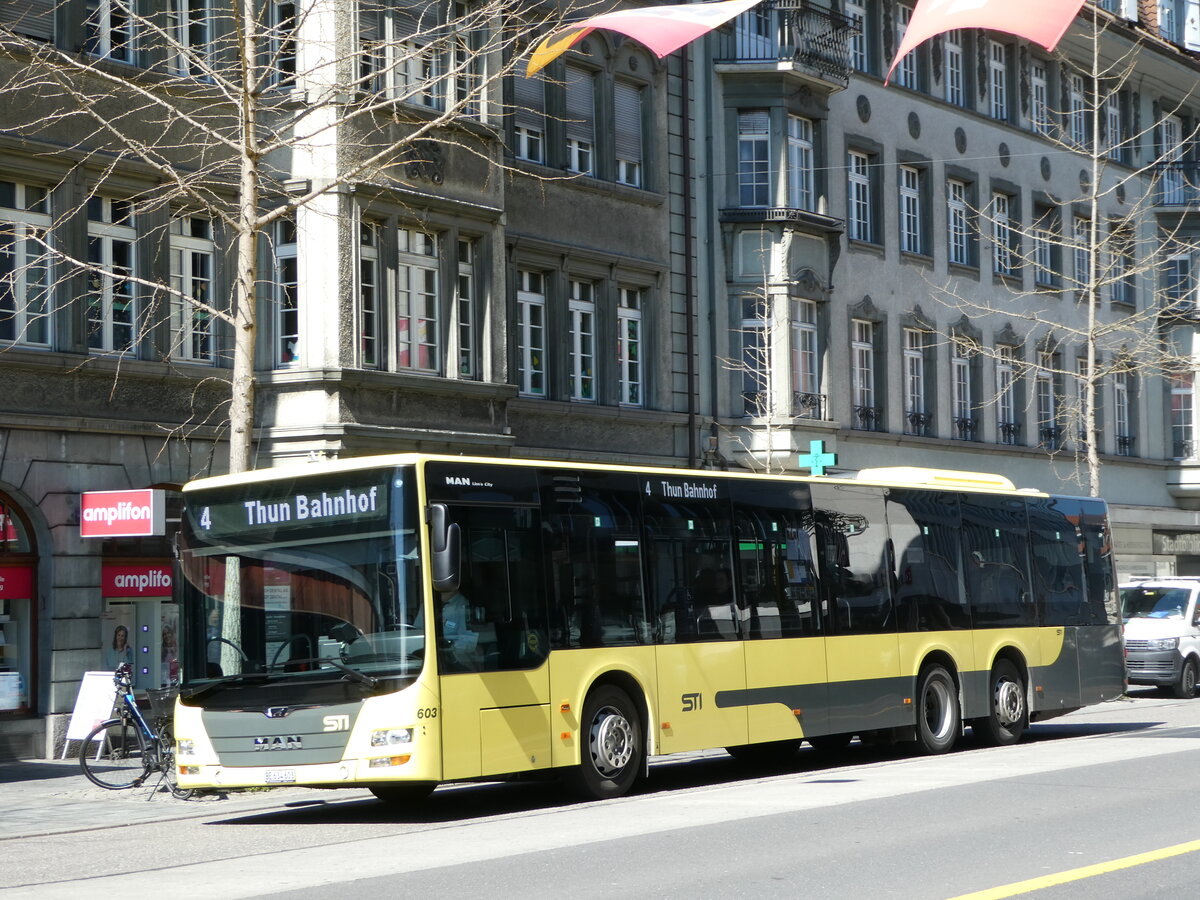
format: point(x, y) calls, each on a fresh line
point(594, 553)
point(856, 562)
point(996, 561)
point(1057, 549)
point(925, 530)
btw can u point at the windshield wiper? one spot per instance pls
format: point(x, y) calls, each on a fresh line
point(350, 674)
point(227, 681)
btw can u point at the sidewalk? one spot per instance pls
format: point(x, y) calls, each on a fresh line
point(40, 796)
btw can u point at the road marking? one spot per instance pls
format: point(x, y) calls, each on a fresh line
point(1113, 865)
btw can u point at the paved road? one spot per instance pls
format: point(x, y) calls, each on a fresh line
point(879, 824)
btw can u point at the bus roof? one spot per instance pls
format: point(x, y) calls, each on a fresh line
point(907, 476)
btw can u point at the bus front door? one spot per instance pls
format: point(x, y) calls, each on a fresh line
point(492, 648)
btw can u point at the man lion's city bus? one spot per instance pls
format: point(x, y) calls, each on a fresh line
point(397, 622)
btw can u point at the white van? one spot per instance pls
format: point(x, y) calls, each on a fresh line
point(1162, 633)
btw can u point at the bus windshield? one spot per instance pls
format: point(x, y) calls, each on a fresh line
point(308, 581)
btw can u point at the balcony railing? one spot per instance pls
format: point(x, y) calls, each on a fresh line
point(1125, 445)
point(917, 423)
point(1177, 184)
point(790, 31)
point(867, 418)
point(808, 406)
point(1050, 437)
point(1008, 432)
point(1183, 449)
point(964, 428)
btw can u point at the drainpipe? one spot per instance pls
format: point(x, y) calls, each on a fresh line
point(689, 285)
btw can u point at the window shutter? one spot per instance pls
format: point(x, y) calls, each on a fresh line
point(1191, 24)
point(32, 18)
point(756, 122)
point(627, 106)
point(581, 106)
point(530, 99)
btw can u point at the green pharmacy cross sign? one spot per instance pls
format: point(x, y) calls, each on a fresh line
point(816, 459)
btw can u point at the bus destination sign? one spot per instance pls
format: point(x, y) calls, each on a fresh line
point(288, 506)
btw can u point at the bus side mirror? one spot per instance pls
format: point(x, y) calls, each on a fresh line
point(446, 543)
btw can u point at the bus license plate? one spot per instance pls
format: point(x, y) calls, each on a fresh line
point(281, 776)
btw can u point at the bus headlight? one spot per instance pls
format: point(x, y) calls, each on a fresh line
point(1171, 643)
point(184, 747)
point(388, 736)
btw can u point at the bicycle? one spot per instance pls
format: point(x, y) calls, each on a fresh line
point(130, 750)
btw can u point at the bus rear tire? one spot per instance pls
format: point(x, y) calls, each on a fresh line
point(612, 746)
point(938, 722)
point(408, 793)
point(1009, 714)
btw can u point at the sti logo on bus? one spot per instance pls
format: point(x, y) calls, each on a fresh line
point(279, 742)
point(692, 702)
point(336, 723)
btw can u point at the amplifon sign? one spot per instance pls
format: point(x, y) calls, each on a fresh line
point(16, 582)
point(135, 580)
point(109, 514)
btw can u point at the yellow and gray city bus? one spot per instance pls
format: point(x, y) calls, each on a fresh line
point(397, 622)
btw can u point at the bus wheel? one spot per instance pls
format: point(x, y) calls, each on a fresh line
point(612, 746)
point(771, 753)
point(937, 710)
point(407, 793)
point(1009, 715)
point(1185, 687)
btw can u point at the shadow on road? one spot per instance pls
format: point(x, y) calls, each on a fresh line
point(454, 803)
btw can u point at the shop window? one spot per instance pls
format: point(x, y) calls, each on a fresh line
point(140, 622)
point(17, 612)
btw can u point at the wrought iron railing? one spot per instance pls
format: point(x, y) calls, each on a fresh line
point(1125, 444)
point(1008, 432)
point(1183, 449)
point(806, 405)
point(1177, 184)
point(965, 428)
point(868, 418)
point(790, 31)
point(917, 423)
point(1050, 437)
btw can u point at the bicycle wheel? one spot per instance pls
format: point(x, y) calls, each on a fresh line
point(166, 761)
point(123, 761)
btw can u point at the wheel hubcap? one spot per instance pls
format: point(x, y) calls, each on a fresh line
point(937, 709)
point(1008, 702)
point(612, 742)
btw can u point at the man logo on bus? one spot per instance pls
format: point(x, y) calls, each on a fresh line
point(692, 702)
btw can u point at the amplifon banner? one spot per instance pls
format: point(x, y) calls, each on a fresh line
point(135, 580)
point(16, 582)
point(109, 514)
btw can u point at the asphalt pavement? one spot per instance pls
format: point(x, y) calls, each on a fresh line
point(40, 797)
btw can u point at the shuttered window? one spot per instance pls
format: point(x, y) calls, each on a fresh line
point(529, 117)
point(580, 122)
point(31, 18)
point(627, 106)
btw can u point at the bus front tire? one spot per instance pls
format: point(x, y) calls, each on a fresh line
point(407, 793)
point(1009, 714)
point(612, 746)
point(937, 711)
